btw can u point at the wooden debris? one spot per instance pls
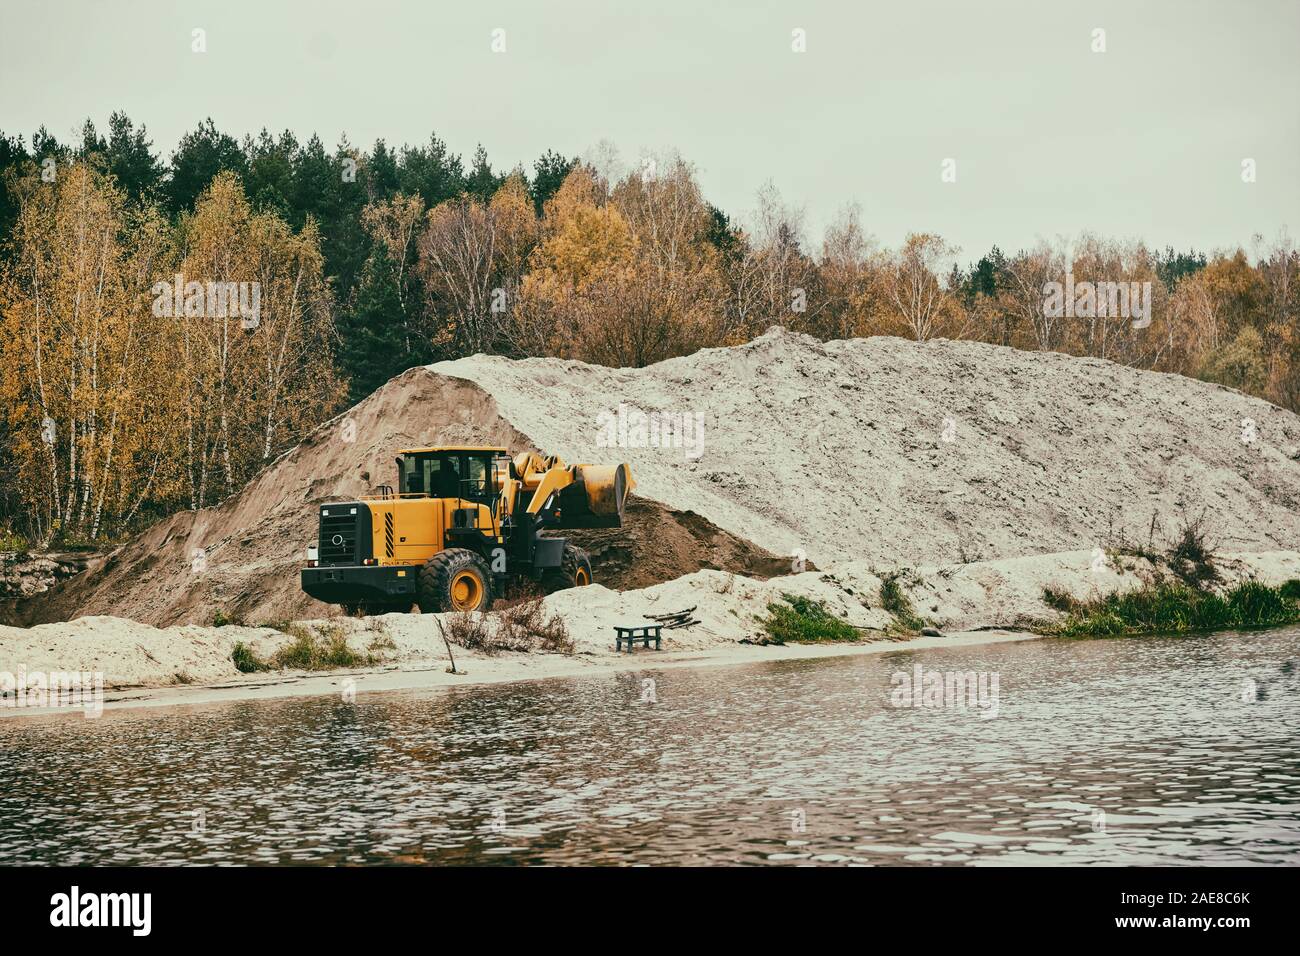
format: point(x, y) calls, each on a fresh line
point(674, 619)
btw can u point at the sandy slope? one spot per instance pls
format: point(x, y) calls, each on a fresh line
point(838, 448)
point(833, 449)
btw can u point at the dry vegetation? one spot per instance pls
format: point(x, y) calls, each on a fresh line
point(518, 624)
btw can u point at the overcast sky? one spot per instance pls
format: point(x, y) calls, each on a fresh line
point(1145, 140)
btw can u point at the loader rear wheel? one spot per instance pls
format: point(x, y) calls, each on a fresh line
point(454, 580)
point(574, 571)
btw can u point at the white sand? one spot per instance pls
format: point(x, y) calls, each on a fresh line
point(838, 448)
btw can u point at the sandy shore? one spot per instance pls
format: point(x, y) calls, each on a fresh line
point(477, 670)
point(979, 602)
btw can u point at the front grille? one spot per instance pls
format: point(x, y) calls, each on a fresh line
point(338, 534)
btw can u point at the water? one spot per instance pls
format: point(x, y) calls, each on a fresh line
point(1135, 751)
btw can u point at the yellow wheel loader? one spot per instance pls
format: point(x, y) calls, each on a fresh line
point(462, 524)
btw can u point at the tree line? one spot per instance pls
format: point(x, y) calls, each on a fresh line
point(119, 409)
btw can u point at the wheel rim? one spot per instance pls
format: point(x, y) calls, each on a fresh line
point(581, 577)
point(466, 591)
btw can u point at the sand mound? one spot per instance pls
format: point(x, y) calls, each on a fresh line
point(899, 452)
point(242, 559)
point(839, 451)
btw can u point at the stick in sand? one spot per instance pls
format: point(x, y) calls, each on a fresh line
point(448, 643)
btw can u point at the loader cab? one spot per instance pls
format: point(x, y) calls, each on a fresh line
point(465, 473)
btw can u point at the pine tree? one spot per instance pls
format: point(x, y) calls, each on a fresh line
point(550, 172)
point(199, 157)
point(382, 173)
point(131, 159)
point(374, 340)
point(431, 173)
point(481, 181)
point(270, 171)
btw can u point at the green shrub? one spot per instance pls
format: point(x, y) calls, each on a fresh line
point(803, 619)
point(222, 619)
point(895, 600)
point(311, 652)
point(246, 662)
point(1176, 608)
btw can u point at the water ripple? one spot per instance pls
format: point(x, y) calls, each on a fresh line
point(1112, 752)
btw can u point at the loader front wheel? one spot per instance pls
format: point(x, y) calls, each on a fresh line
point(455, 580)
point(574, 571)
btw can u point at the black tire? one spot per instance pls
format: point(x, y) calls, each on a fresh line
point(574, 571)
point(445, 578)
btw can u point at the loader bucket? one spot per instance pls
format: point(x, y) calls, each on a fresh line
point(597, 496)
point(607, 487)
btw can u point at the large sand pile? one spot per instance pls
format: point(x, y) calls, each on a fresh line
point(839, 448)
point(878, 450)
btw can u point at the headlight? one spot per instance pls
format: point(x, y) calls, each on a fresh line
point(312, 552)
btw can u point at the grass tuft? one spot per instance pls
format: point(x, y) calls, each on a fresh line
point(246, 662)
point(894, 599)
point(1060, 599)
point(802, 619)
point(312, 652)
point(309, 651)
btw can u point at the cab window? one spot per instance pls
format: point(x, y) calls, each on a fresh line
point(447, 476)
point(476, 474)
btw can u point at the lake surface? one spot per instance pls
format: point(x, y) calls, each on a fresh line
point(1136, 751)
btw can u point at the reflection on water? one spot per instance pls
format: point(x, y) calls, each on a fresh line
point(1123, 752)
